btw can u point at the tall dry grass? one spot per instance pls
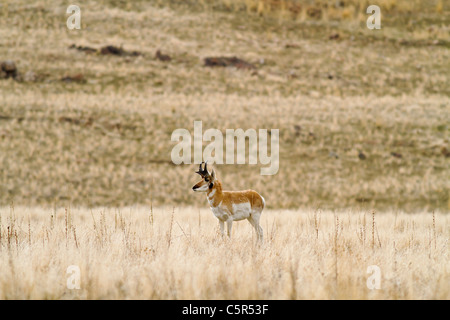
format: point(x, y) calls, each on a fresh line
point(177, 253)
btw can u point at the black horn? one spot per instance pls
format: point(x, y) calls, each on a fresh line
point(203, 172)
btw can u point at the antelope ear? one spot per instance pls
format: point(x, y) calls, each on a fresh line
point(213, 174)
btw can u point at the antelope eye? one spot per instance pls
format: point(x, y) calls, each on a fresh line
point(207, 180)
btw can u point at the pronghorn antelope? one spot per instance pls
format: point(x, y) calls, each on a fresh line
point(229, 206)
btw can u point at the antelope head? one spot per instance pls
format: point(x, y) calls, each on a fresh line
point(207, 181)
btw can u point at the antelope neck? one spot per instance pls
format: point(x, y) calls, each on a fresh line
point(214, 195)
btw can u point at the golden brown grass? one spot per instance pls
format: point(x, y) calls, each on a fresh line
point(332, 87)
point(177, 253)
point(106, 142)
point(322, 9)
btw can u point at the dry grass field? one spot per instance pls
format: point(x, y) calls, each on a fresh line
point(364, 120)
point(94, 130)
point(166, 253)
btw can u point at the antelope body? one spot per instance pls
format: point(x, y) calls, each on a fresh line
point(229, 206)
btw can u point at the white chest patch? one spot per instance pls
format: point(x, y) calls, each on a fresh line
point(220, 213)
